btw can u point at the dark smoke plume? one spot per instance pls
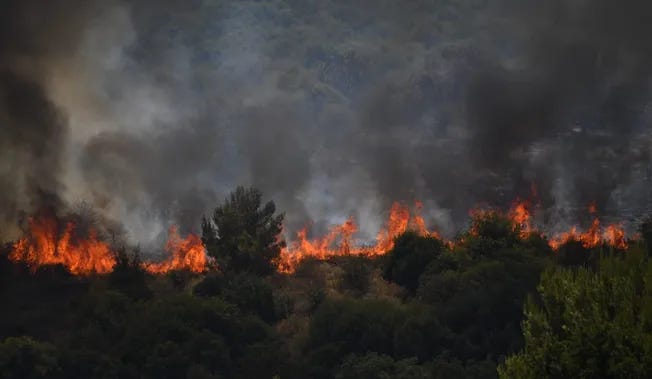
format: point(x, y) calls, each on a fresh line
point(585, 71)
point(32, 128)
point(152, 111)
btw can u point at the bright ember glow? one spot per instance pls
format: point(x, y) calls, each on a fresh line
point(46, 244)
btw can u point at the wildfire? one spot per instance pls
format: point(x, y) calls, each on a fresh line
point(520, 216)
point(185, 254)
point(613, 235)
point(50, 242)
point(46, 243)
point(338, 241)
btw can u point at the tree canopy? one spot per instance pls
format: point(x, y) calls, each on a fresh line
point(243, 233)
point(588, 324)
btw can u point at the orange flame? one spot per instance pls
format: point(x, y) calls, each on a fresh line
point(46, 244)
point(592, 208)
point(185, 254)
point(613, 235)
point(520, 216)
point(338, 242)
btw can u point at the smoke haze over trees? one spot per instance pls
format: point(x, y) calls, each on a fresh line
point(152, 111)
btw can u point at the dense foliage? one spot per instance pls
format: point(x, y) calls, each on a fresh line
point(242, 235)
point(426, 309)
point(589, 323)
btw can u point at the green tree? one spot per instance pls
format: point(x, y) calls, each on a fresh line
point(420, 334)
point(573, 254)
point(356, 275)
point(444, 367)
point(128, 275)
point(646, 232)
point(23, 357)
point(250, 293)
point(490, 232)
point(343, 327)
point(477, 291)
point(589, 324)
point(378, 366)
point(409, 258)
point(244, 234)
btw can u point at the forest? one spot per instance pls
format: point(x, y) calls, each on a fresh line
point(496, 303)
point(149, 113)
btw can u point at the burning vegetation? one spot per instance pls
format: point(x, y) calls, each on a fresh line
point(150, 109)
point(339, 240)
point(285, 304)
point(48, 242)
point(185, 254)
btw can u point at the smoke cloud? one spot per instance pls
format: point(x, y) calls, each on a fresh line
point(151, 112)
point(579, 92)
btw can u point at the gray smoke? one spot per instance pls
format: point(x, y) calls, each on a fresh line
point(32, 127)
point(580, 91)
point(152, 111)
